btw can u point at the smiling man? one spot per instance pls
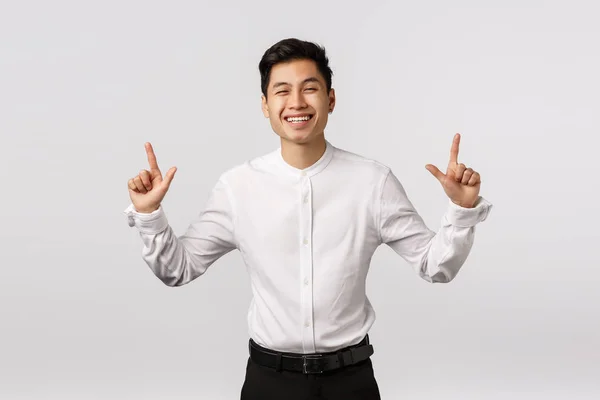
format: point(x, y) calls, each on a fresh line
point(297, 98)
point(307, 219)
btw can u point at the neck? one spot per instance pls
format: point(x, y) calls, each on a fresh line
point(303, 155)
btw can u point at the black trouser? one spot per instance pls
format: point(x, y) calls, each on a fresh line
point(352, 382)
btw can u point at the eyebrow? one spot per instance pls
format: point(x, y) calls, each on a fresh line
point(310, 79)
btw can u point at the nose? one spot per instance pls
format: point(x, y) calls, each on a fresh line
point(296, 100)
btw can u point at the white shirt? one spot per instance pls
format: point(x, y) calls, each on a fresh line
point(307, 238)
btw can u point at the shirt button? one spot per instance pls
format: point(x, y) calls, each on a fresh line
point(307, 324)
point(303, 173)
point(305, 199)
point(305, 281)
point(305, 241)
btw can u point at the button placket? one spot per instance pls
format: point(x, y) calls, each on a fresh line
point(306, 263)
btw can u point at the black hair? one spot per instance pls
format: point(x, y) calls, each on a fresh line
point(293, 49)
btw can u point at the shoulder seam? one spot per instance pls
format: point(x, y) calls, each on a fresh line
point(231, 199)
point(380, 196)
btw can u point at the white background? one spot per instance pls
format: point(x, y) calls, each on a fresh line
point(84, 84)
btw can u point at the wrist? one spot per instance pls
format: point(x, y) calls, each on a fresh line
point(463, 205)
point(146, 210)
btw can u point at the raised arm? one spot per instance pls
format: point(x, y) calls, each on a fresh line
point(179, 260)
point(436, 256)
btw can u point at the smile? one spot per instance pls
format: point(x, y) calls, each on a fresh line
point(299, 119)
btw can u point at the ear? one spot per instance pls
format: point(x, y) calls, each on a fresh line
point(265, 107)
point(331, 99)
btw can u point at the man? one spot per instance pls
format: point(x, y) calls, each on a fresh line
point(307, 219)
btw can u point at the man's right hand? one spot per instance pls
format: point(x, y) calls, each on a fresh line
point(148, 189)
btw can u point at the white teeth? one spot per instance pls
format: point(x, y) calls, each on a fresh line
point(298, 119)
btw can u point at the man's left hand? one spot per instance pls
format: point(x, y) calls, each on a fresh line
point(460, 183)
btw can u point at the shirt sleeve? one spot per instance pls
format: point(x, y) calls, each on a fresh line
point(435, 256)
point(177, 260)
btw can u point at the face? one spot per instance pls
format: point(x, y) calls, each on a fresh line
point(297, 102)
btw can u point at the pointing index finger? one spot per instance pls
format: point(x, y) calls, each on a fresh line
point(454, 149)
point(151, 157)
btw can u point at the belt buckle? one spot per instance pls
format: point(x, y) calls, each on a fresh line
point(305, 366)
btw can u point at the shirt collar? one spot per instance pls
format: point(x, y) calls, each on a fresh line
point(312, 170)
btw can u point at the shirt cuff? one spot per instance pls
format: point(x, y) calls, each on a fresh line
point(467, 217)
point(149, 223)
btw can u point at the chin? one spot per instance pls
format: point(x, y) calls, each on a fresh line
point(300, 138)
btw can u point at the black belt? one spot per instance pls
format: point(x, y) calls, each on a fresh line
point(311, 363)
